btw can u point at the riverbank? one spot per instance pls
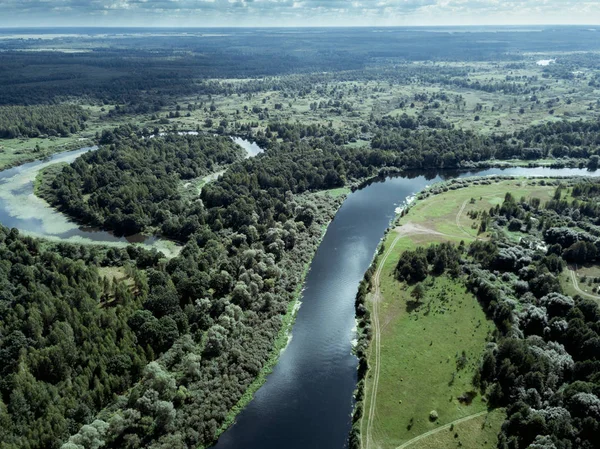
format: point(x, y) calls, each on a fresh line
point(398, 355)
point(14, 154)
point(285, 333)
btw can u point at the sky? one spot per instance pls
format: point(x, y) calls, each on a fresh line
point(232, 13)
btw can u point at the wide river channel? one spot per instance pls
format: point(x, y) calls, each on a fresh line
point(307, 400)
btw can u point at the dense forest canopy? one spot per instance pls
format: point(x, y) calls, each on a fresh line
point(212, 313)
point(132, 184)
point(174, 63)
point(66, 346)
point(545, 364)
point(41, 120)
point(124, 348)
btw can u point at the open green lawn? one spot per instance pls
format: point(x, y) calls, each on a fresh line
point(481, 433)
point(586, 280)
point(420, 348)
point(448, 220)
point(419, 358)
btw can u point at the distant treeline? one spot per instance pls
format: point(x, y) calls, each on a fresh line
point(452, 147)
point(142, 69)
point(39, 120)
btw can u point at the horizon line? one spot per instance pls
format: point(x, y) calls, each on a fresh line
point(9, 27)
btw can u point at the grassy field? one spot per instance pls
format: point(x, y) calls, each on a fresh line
point(335, 192)
point(585, 277)
point(480, 433)
point(419, 358)
point(447, 216)
point(422, 349)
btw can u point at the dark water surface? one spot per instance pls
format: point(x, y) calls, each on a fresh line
point(306, 402)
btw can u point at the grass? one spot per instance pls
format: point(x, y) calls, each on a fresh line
point(481, 433)
point(420, 348)
point(335, 193)
point(589, 273)
point(439, 213)
point(18, 151)
point(419, 356)
point(43, 179)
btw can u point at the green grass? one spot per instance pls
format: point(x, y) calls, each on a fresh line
point(18, 151)
point(335, 193)
point(439, 213)
point(589, 272)
point(481, 433)
point(419, 348)
point(43, 180)
point(419, 357)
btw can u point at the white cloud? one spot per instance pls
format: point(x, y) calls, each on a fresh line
point(296, 12)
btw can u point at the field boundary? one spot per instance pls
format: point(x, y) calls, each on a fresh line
point(376, 298)
point(439, 429)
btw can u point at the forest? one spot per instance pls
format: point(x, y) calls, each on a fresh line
point(122, 347)
point(41, 120)
point(133, 184)
point(175, 65)
point(544, 364)
point(67, 347)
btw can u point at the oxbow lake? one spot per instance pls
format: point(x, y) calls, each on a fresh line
point(21, 209)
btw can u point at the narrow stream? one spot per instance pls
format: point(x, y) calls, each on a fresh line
point(306, 402)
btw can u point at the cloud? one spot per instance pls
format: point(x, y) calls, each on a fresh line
point(294, 12)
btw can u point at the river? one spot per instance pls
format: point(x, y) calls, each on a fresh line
point(307, 401)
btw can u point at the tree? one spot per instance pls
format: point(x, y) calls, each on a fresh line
point(418, 292)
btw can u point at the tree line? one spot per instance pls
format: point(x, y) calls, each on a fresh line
point(41, 120)
point(545, 362)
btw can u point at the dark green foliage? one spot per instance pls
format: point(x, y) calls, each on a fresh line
point(451, 147)
point(40, 120)
point(414, 266)
point(132, 183)
point(215, 310)
point(64, 351)
point(546, 363)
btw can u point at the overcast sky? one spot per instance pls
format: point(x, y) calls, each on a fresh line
point(203, 13)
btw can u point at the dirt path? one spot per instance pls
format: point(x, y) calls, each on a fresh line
point(458, 215)
point(376, 298)
point(404, 230)
point(576, 285)
point(439, 429)
point(409, 228)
